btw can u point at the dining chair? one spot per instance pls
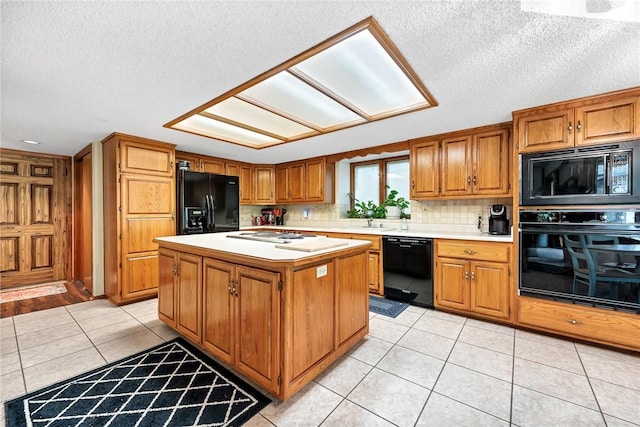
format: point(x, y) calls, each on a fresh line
point(587, 272)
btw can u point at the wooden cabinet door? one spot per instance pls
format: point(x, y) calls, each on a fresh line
point(489, 289)
point(352, 296)
point(246, 184)
point(147, 211)
point(374, 272)
point(232, 169)
point(282, 184)
point(146, 158)
point(263, 191)
point(452, 283)
point(194, 161)
point(424, 169)
point(213, 165)
point(491, 163)
point(546, 131)
point(312, 333)
point(167, 260)
point(617, 120)
point(258, 325)
point(315, 181)
point(219, 309)
point(297, 182)
point(189, 296)
point(456, 166)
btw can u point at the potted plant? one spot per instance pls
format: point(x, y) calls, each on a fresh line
point(394, 205)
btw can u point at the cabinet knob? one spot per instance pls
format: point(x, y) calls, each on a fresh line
point(570, 128)
point(579, 126)
point(473, 275)
point(413, 184)
point(475, 180)
point(468, 180)
point(470, 252)
point(572, 321)
point(466, 275)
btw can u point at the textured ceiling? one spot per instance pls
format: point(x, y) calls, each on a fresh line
point(73, 72)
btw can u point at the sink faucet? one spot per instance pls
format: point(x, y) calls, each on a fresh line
point(369, 222)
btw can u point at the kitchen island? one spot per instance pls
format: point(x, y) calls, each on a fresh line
point(279, 316)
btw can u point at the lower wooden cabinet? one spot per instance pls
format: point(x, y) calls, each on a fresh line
point(473, 277)
point(603, 326)
point(279, 324)
point(180, 292)
point(241, 318)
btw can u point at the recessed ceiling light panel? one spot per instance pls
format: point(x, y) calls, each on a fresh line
point(355, 77)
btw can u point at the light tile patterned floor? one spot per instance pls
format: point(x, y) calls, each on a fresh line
point(424, 368)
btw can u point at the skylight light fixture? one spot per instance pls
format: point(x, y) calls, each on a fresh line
point(355, 77)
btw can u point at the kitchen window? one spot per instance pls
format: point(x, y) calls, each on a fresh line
point(373, 179)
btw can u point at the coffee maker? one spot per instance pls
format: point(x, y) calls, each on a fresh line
point(498, 222)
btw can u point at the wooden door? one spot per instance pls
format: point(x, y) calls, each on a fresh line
point(189, 296)
point(246, 184)
point(617, 120)
point(352, 296)
point(282, 184)
point(456, 166)
point(213, 165)
point(219, 309)
point(35, 218)
point(82, 207)
point(258, 325)
point(546, 130)
point(168, 264)
point(452, 283)
point(194, 161)
point(148, 158)
point(491, 160)
point(424, 169)
point(312, 333)
point(263, 191)
point(489, 289)
point(373, 272)
point(148, 205)
point(298, 182)
point(315, 181)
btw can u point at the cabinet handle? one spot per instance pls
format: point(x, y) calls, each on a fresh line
point(572, 321)
point(475, 180)
point(570, 128)
point(473, 275)
point(470, 252)
point(413, 184)
point(579, 126)
point(466, 275)
point(235, 287)
point(468, 180)
point(229, 287)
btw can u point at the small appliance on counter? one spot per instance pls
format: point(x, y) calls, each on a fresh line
point(498, 222)
point(271, 216)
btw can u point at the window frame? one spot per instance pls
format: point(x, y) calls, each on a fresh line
point(382, 188)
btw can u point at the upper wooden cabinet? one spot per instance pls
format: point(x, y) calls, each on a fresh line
point(305, 181)
point(207, 164)
point(263, 185)
point(471, 163)
point(139, 205)
point(594, 120)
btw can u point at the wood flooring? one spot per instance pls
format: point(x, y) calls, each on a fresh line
point(76, 293)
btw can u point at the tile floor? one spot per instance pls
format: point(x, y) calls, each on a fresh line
point(422, 368)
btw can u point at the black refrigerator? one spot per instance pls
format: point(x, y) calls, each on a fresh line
point(207, 203)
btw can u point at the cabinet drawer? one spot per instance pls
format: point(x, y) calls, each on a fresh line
point(488, 251)
point(373, 239)
point(600, 325)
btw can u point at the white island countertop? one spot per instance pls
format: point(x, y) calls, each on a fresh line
point(221, 242)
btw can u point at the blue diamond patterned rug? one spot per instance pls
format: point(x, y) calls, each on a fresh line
point(386, 307)
point(173, 384)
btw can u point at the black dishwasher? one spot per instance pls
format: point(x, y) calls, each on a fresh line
point(408, 265)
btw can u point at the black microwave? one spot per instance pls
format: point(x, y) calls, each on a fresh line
point(598, 175)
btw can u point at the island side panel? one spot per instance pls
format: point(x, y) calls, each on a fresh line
point(352, 314)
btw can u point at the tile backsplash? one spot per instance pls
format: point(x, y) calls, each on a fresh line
point(425, 212)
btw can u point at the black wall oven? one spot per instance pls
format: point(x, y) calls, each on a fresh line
point(582, 257)
point(608, 174)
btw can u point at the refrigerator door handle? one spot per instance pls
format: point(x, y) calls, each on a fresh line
point(209, 200)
